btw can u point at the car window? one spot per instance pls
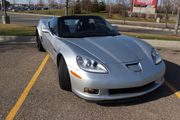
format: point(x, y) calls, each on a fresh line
point(53, 26)
point(71, 24)
point(85, 27)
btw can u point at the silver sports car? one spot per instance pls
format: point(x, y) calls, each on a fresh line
point(96, 62)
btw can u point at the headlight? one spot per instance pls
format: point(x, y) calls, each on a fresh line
point(156, 56)
point(90, 65)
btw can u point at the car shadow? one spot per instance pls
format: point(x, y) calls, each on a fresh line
point(172, 76)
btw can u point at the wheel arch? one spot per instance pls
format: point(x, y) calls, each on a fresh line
point(58, 58)
point(37, 33)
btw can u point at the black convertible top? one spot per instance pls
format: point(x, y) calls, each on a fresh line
point(81, 26)
point(79, 16)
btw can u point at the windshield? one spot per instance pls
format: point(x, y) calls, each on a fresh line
point(84, 26)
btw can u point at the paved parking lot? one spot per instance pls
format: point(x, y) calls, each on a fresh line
point(20, 60)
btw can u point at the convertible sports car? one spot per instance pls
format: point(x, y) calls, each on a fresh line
point(96, 62)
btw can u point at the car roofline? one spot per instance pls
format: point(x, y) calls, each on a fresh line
point(79, 16)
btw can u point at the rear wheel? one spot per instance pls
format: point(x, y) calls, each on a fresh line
point(39, 44)
point(64, 79)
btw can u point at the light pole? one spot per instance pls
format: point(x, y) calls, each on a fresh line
point(5, 17)
point(66, 7)
point(177, 21)
point(1, 2)
point(4, 6)
point(110, 9)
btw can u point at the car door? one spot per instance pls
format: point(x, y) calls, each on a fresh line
point(52, 37)
point(45, 36)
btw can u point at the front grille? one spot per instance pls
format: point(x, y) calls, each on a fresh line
point(131, 90)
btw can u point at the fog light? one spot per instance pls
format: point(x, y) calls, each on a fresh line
point(91, 90)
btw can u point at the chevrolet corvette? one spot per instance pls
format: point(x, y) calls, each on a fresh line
point(96, 62)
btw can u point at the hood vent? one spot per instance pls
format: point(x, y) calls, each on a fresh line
point(136, 67)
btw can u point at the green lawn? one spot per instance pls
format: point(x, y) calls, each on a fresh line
point(46, 12)
point(153, 36)
point(16, 30)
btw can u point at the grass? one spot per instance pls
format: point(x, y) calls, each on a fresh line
point(16, 30)
point(46, 12)
point(153, 36)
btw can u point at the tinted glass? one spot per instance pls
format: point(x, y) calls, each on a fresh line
point(85, 27)
point(53, 26)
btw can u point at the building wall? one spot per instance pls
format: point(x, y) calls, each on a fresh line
point(145, 6)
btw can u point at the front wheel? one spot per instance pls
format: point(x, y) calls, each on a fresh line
point(39, 44)
point(64, 79)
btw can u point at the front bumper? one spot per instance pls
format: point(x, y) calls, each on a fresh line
point(105, 95)
point(118, 79)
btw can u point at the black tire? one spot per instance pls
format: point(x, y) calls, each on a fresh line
point(39, 44)
point(64, 79)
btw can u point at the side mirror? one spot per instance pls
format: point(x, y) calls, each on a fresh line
point(45, 30)
point(115, 28)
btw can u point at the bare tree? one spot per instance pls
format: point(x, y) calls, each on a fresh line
point(49, 3)
point(174, 5)
point(29, 2)
point(167, 5)
point(41, 2)
point(125, 5)
point(52, 4)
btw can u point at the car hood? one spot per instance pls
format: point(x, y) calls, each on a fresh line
point(111, 49)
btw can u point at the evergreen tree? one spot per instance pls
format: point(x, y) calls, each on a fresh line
point(78, 7)
point(7, 3)
point(102, 6)
point(86, 5)
point(95, 6)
